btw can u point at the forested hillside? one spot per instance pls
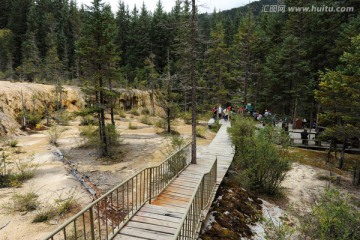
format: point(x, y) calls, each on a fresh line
point(273, 60)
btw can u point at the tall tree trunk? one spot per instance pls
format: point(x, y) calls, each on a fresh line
point(152, 98)
point(111, 104)
point(295, 114)
point(168, 95)
point(193, 80)
point(317, 118)
point(356, 176)
point(185, 100)
point(102, 127)
point(342, 154)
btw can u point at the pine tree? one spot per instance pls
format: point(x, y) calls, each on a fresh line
point(6, 51)
point(74, 26)
point(4, 13)
point(122, 25)
point(338, 94)
point(288, 83)
point(52, 66)
point(18, 25)
point(244, 45)
point(217, 61)
point(98, 52)
point(193, 79)
point(160, 36)
point(181, 48)
point(31, 62)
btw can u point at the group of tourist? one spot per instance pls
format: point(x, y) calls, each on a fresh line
point(225, 113)
point(228, 111)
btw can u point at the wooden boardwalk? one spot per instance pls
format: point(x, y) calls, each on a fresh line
point(161, 219)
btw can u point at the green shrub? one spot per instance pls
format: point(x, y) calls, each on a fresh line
point(34, 118)
point(122, 114)
point(112, 135)
point(45, 214)
point(62, 206)
point(146, 120)
point(25, 201)
point(145, 111)
point(278, 230)
point(132, 127)
point(200, 131)
point(161, 123)
point(215, 127)
point(333, 217)
point(13, 143)
point(54, 135)
point(134, 112)
point(261, 164)
point(187, 117)
point(178, 161)
point(87, 120)
point(91, 136)
point(26, 170)
point(64, 118)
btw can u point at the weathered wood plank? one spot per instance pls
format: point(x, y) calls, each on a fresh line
point(155, 221)
point(156, 235)
point(151, 227)
point(175, 218)
point(126, 237)
point(160, 209)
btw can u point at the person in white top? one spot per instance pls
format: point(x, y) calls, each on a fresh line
point(219, 111)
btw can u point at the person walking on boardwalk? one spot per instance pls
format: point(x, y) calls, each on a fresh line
point(219, 111)
point(304, 137)
point(214, 110)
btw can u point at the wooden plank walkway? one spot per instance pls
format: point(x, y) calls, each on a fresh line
point(161, 219)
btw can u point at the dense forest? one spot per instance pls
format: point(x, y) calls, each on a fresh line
point(295, 63)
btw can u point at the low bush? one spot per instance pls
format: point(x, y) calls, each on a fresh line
point(134, 112)
point(333, 217)
point(146, 120)
point(260, 164)
point(25, 201)
point(278, 229)
point(54, 134)
point(122, 113)
point(91, 136)
point(161, 123)
point(200, 131)
point(44, 214)
point(113, 137)
point(34, 118)
point(215, 127)
point(187, 117)
point(13, 143)
point(62, 206)
point(145, 111)
point(132, 127)
point(87, 120)
point(64, 118)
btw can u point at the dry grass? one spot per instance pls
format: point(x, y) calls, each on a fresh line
point(319, 159)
